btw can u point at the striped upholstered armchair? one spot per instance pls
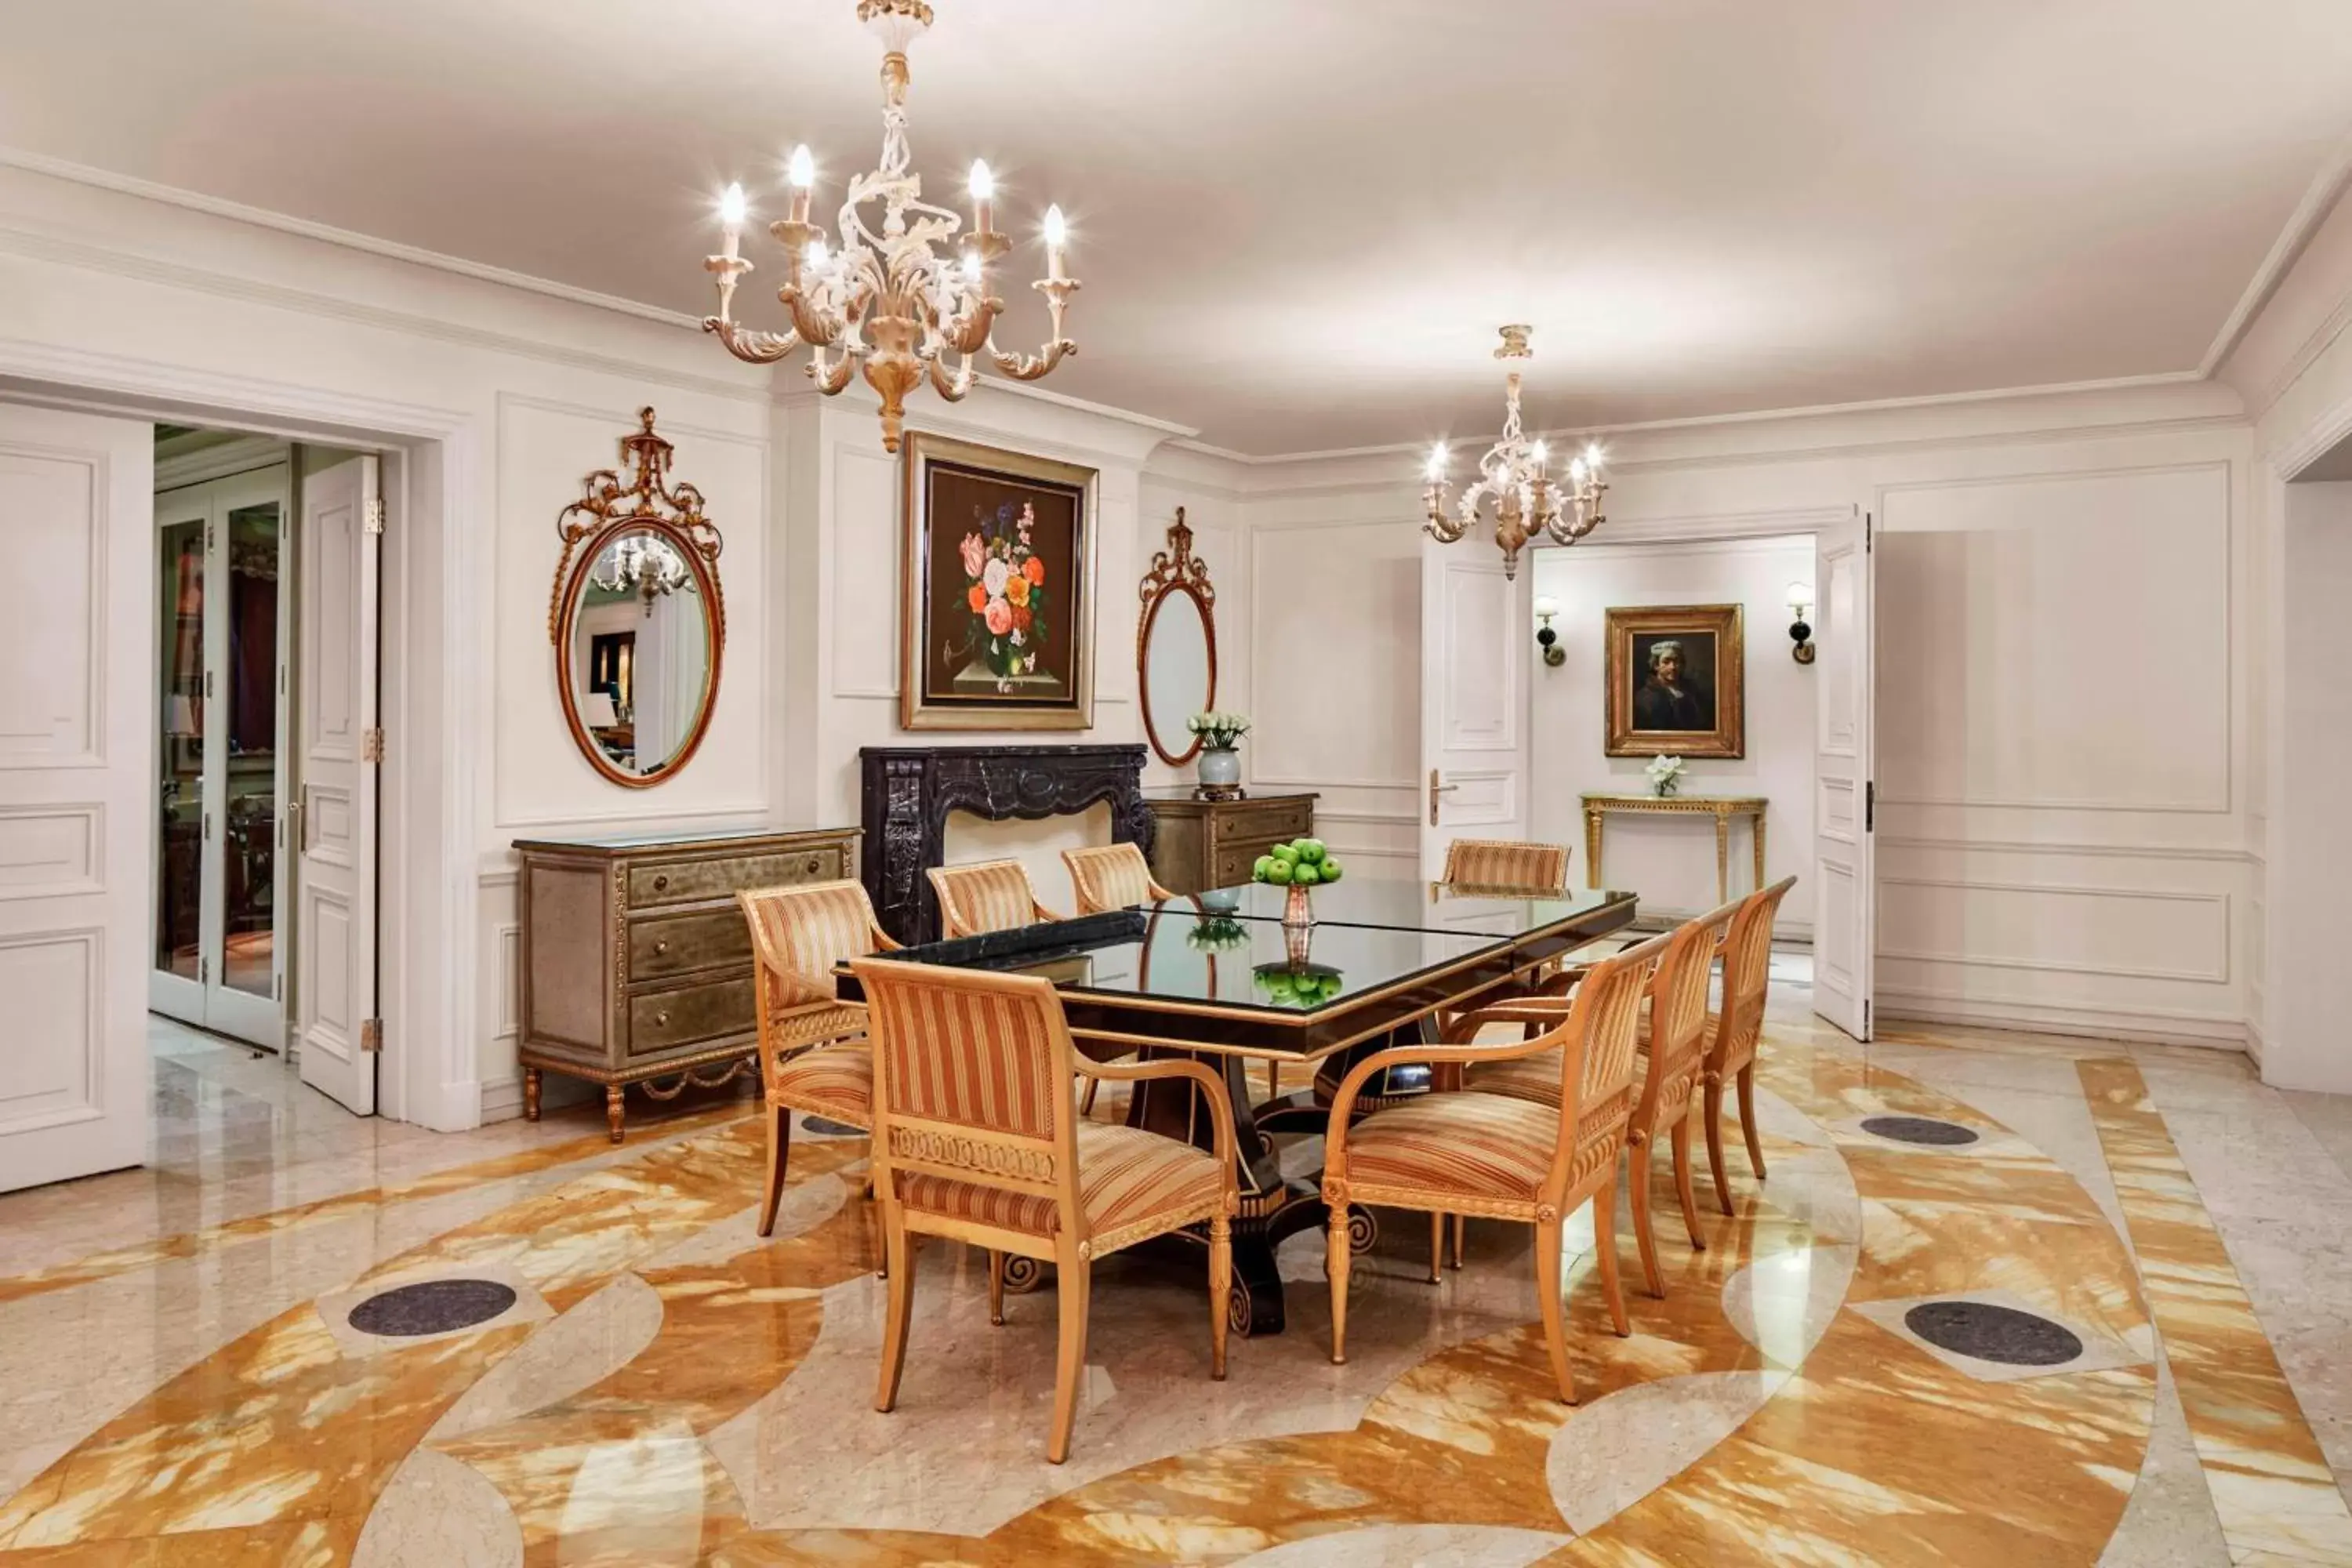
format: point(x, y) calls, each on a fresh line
point(1672, 1041)
point(1734, 1033)
point(978, 1137)
point(1506, 863)
point(986, 896)
point(813, 1052)
point(1114, 876)
point(1502, 1158)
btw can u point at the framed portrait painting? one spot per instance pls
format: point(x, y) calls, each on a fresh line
point(1676, 681)
point(998, 620)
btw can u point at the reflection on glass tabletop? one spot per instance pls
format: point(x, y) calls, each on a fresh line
point(1192, 958)
point(1404, 905)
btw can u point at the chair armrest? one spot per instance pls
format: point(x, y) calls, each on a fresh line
point(1343, 1103)
point(883, 941)
point(1212, 1086)
point(1462, 1029)
point(1043, 914)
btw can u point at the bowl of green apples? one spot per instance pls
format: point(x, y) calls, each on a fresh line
point(1297, 984)
point(1301, 866)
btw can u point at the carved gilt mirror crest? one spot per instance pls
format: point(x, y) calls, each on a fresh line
point(1176, 646)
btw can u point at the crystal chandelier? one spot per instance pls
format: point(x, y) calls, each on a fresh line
point(1512, 475)
point(642, 565)
point(899, 301)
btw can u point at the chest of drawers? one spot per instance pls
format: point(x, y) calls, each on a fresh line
point(637, 965)
point(1204, 843)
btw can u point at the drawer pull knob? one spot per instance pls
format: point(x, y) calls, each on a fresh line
point(661, 883)
point(661, 1019)
point(814, 864)
point(661, 947)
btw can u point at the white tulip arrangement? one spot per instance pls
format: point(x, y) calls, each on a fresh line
point(1219, 732)
point(1665, 775)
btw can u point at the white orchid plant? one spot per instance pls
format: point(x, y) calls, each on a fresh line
point(1665, 774)
point(1219, 732)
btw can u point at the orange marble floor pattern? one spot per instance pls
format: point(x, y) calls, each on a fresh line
point(274, 1448)
point(2272, 1491)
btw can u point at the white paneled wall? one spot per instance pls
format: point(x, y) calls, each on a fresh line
point(2063, 805)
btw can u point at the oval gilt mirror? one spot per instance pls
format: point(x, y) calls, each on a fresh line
point(1176, 647)
point(638, 622)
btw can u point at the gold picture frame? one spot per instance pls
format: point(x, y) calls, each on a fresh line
point(1676, 681)
point(997, 600)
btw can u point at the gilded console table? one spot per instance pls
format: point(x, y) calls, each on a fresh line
point(1723, 808)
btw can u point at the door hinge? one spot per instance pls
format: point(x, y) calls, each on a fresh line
point(204, 972)
point(372, 1036)
point(208, 536)
point(376, 514)
point(1869, 534)
point(1870, 806)
point(372, 745)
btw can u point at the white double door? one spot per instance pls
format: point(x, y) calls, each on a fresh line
point(1478, 647)
point(223, 651)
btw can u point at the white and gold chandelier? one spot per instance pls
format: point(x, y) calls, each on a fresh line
point(899, 301)
point(1512, 476)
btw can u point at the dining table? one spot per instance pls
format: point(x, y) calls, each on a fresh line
point(1222, 977)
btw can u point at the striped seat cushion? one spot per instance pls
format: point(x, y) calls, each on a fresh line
point(1125, 1176)
point(1486, 1144)
point(832, 1081)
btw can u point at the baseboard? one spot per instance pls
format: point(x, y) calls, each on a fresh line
point(502, 1097)
point(2088, 1023)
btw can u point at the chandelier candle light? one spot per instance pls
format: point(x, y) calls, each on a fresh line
point(1512, 474)
point(897, 303)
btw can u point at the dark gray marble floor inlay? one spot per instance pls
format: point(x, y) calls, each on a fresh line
point(1989, 1332)
point(829, 1128)
point(1924, 1130)
point(432, 1306)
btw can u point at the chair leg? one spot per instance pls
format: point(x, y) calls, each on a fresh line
point(1548, 1297)
point(1087, 1106)
point(1637, 1187)
point(1683, 1181)
point(1074, 1281)
point(1714, 1116)
point(898, 1246)
point(1748, 1118)
point(1221, 1293)
point(1461, 1224)
point(780, 1143)
point(996, 1287)
point(1604, 1243)
point(1335, 1264)
point(1274, 1080)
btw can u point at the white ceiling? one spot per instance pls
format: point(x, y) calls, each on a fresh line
point(1300, 221)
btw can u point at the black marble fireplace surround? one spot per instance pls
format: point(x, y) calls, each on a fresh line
point(908, 791)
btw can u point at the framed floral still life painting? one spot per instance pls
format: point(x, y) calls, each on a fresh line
point(997, 627)
point(1676, 681)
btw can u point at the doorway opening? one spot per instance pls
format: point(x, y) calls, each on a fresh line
point(263, 855)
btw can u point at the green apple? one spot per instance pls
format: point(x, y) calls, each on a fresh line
point(1258, 869)
point(1278, 870)
point(1305, 874)
point(1285, 852)
point(1310, 851)
point(1330, 870)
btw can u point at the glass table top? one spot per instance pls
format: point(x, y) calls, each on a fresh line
point(1403, 905)
point(1188, 957)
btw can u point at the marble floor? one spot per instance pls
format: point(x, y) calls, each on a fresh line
point(2002, 1299)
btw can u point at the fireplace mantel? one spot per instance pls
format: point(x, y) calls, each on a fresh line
point(908, 791)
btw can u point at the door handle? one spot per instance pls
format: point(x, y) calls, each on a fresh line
point(1436, 789)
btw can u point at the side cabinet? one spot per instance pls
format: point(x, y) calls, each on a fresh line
point(1205, 844)
point(636, 964)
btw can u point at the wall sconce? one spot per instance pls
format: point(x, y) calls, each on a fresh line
point(1801, 614)
point(1547, 640)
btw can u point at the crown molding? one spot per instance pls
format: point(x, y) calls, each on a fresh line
point(2319, 198)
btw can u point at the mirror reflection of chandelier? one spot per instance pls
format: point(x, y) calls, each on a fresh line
point(642, 565)
point(1512, 476)
point(899, 300)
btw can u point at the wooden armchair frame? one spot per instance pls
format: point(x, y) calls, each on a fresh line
point(954, 885)
point(1595, 1038)
point(1090, 871)
point(1041, 1163)
point(1731, 1055)
point(800, 1010)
